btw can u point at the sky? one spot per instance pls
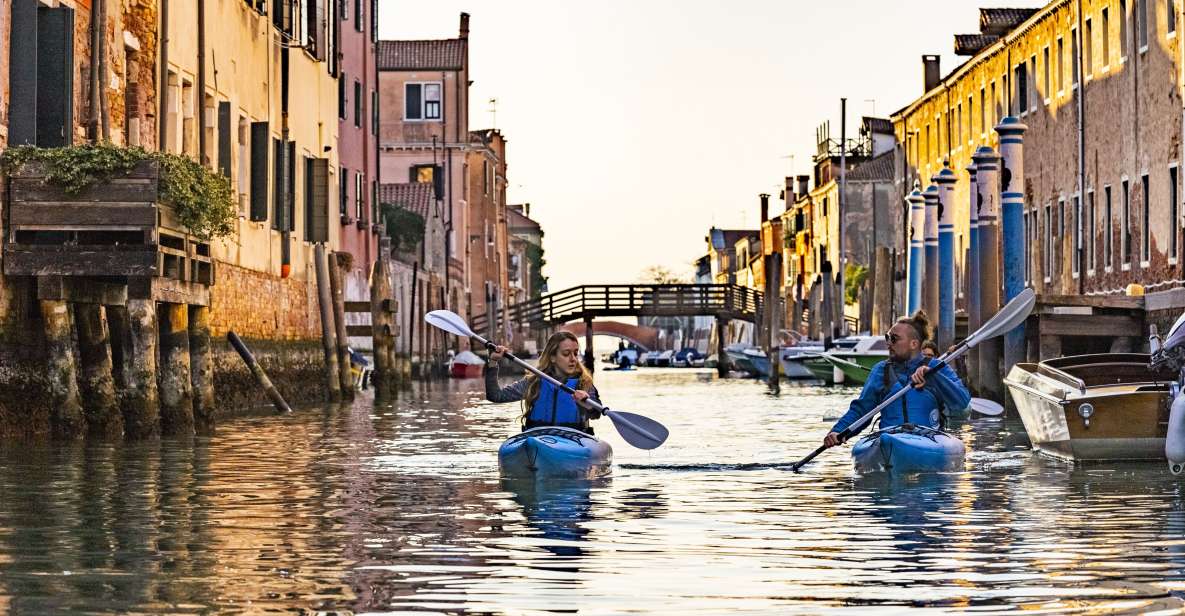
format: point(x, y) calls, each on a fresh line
point(634, 127)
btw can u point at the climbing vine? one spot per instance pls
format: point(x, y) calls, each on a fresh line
point(203, 200)
point(404, 227)
point(538, 280)
point(853, 280)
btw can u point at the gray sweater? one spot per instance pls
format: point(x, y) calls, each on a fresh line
point(515, 391)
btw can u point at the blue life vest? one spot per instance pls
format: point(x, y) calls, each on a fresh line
point(554, 407)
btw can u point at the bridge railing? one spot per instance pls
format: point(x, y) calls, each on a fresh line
point(733, 301)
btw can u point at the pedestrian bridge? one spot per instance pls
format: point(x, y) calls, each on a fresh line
point(589, 302)
point(644, 337)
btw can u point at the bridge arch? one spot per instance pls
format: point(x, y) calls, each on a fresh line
point(644, 337)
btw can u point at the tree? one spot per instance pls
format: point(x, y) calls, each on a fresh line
point(658, 274)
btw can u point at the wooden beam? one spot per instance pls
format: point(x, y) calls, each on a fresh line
point(1094, 325)
point(87, 215)
point(25, 189)
point(20, 260)
point(1094, 301)
point(81, 290)
point(388, 305)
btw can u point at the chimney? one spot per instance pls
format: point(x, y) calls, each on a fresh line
point(464, 25)
point(789, 192)
point(804, 185)
point(930, 73)
point(764, 206)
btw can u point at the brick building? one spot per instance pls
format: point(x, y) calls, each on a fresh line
point(488, 239)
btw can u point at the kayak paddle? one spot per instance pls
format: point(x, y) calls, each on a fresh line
point(1010, 316)
point(983, 406)
point(637, 430)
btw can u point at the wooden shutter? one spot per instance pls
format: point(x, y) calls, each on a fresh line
point(224, 138)
point(55, 77)
point(22, 74)
point(279, 195)
point(290, 186)
point(260, 136)
point(317, 199)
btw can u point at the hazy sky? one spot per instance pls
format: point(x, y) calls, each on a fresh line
point(633, 127)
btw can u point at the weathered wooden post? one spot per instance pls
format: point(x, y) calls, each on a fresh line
point(588, 344)
point(384, 377)
point(972, 264)
point(257, 371)
point(722, 360)
point(917, 265)
point(345, 382)
point(201, 367)
point(95, 381)
point(946, 259)
point(930, 292)
point(328, 332)
point(987, 173)
point(135, 326)
point(1012, 200)
point(68, 420)
point(776, 320)
point(176, 389)
point(882, 291)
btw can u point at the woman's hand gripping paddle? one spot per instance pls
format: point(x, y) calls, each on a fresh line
point(637, 430)
point(1010, 316)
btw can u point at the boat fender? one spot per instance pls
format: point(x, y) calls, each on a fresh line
point(1174, 442)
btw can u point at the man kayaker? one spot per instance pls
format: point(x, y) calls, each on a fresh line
point(545, 404)
point(906, 367)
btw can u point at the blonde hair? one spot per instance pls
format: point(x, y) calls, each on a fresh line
point(547, 366)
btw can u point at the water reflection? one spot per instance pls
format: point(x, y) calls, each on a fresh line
point(398, 508)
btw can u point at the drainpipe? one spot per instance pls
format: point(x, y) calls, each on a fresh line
point(93, 121)
point(201, 81)
point(104, 108)
point(163, 84)
point(1081, 256)
point(285, 187)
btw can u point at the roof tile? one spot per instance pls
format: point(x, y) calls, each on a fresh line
point(413, 197)
point(447, 54)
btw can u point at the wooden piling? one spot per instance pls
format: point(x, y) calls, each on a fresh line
point(201, 370)
point(134, 327)
point(328, 332)
point(882, 292)
point(589, 360)
point(95, 381)
point(67, 417)
point(345, 381)
point(721, 357)
point(384, 377)
point(257, 371)
point(176, 389)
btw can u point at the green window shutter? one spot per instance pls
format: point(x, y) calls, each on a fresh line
point(260, 137)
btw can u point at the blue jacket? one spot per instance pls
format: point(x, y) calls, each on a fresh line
point(567, 413)
point(942, 389)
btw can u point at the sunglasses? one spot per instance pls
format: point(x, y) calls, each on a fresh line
point(892, 338)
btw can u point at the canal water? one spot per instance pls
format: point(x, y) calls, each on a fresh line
point(399, 509)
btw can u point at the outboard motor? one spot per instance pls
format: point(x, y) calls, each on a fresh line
point(1171, 354)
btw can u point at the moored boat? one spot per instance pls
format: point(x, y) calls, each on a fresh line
point(908, 449)
point(737, 358)
point(792, 358)
point(865, 351)
point(760, 362)
point(466, 365)
point(554, 452)
point(1107, 406)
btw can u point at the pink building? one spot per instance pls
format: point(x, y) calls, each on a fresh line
point(358, 129)
point(424, 134)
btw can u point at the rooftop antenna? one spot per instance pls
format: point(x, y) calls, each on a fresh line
point(873, 101)
point(494, 112)
point(791, 157)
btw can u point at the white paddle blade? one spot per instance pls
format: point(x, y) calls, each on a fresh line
point(1012, 314)
point(450, 322)
point(984, 406)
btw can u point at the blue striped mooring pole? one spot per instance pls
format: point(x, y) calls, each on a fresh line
point(1012, 198)
point(930, 277)
point(987, 165)
point(972, 265)
point(917, 265)
point(946, 258)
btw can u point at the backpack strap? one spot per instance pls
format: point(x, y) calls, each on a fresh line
point(891, 377)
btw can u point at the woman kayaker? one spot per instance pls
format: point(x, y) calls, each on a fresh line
point(906, 366)
point(545, 404)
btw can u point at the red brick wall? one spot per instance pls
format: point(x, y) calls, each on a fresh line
point(262, 306)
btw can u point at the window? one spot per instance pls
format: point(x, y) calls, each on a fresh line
point(341, 96)
point(1089, 232)
point(958, 124)
point(374, 21)
point(359, 200)
point(1061, 65)
point(260, 136)
point(1174, 211)
point(1108, 253)
point(1028, 245)
point(970, 106)
point(1022, 91)
point(1048, 252)
point(1077, 241)
point(1045, 59)
point(1123, 30)
point(982, 111)
point(1060, 232)
point(1126, 236)
point(244, 140)
point(358, 14)
point(1145, 241)
point(357, 104)
point(188, 120)
point(1074, 56)
point(344, 195)
point(422, 101)
point(1170, 19)
point(374, 112)
point(1087, 48)
point(1141, 17)
point(1106, 39)
point(345, 9)
point(1034, 99)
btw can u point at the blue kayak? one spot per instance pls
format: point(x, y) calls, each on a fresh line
point(908, 449)
point(555, 453)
